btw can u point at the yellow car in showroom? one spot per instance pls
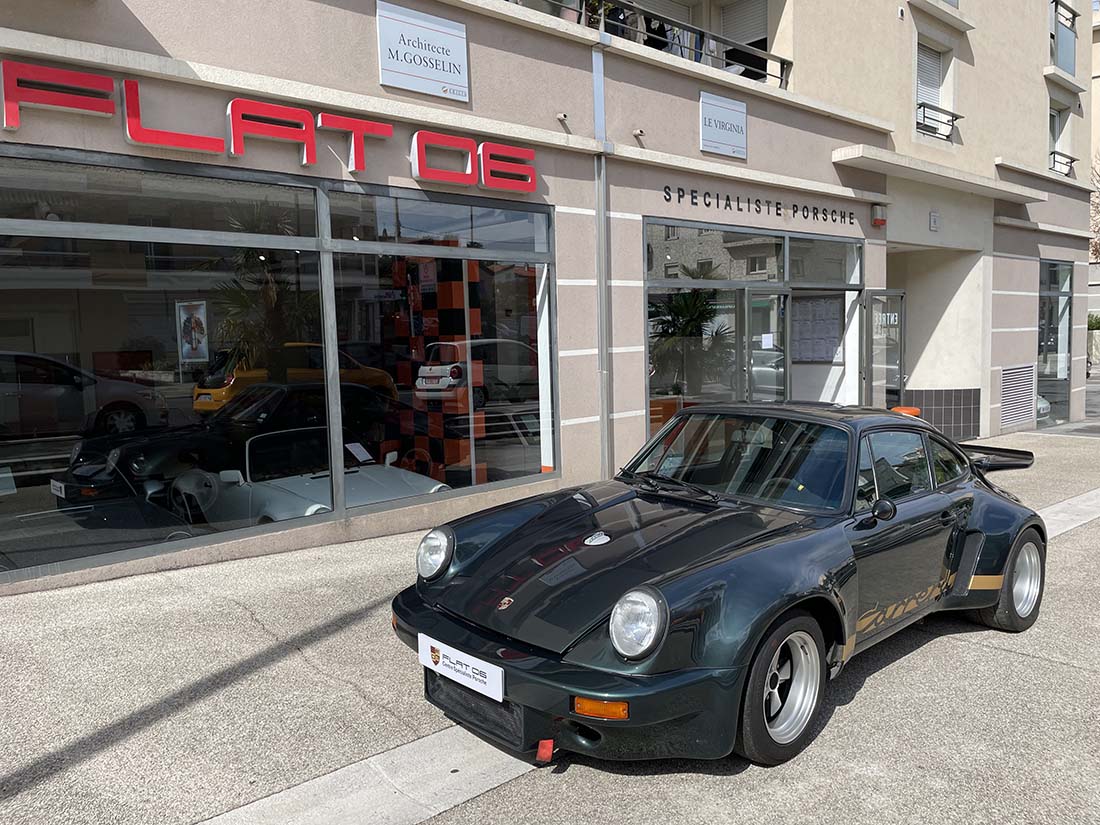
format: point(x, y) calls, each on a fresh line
point(305, 363)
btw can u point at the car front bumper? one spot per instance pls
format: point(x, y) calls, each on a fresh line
point(688, 713)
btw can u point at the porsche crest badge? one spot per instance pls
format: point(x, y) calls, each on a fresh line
point(435, 655)
point(505, 603)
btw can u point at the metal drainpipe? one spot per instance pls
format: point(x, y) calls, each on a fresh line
point(603, 260)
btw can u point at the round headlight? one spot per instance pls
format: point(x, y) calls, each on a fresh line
point(637, 623)
point(434, 553)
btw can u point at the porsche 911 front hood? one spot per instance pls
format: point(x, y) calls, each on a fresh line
point(546, 570)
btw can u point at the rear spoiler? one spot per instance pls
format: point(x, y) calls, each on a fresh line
point(988, 459)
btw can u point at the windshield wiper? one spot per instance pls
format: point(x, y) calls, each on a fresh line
point(633, 476)
point(703, 491)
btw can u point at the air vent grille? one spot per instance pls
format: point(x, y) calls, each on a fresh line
point(1017, 396)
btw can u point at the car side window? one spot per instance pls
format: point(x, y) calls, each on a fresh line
point(866, 491)
point(901, 464)
point(946, 464)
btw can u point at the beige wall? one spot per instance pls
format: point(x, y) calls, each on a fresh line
point(943, 312)
point(861, 55)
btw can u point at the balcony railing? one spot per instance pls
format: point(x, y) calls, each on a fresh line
point(936, 121)
point(1061, 163)
point(1063, 37)
point(637, 23)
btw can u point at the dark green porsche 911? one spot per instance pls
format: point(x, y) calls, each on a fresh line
point(698, 603)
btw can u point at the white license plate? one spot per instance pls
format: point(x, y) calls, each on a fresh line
point(486, 679)
point(430, 379)
point(206, 397)
point(57, 488)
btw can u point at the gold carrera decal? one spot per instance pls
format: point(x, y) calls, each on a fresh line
point(986, 582)
point(877, 616)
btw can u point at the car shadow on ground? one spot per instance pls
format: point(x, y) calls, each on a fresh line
point(840, 691)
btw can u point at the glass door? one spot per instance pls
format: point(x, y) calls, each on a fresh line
point(766, 364)
point(884, 360)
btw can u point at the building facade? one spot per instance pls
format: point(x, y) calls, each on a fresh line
point(319, 271)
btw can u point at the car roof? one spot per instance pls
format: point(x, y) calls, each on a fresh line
point(856, 418)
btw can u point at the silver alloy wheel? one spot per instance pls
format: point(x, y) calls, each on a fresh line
point(790, 693)
point(120, 421)
point(1027, 579)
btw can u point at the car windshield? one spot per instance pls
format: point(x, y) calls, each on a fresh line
point(279, 455)
point(755, 457)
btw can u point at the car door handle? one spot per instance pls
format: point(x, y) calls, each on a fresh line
point(947, 517)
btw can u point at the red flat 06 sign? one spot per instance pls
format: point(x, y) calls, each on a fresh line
point(436, 157)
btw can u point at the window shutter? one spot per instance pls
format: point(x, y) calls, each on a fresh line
point(1017, 396)
point(675, 11)
point(929, 75)
point(745, 21)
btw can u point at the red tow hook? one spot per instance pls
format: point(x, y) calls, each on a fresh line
point(545, 752)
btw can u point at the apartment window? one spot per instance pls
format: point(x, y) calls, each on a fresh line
point(1063, 36)
point(705, 267)
point(1059, 160)
point(672, 270)
point(758, 266)
point(933, 117)
point(672, 233)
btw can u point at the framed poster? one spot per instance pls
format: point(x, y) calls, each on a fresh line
point(191, 332)
point(817, 329)
point(422, 53)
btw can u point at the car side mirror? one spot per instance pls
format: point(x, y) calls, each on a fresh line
point(231, 477)
point(883, 509)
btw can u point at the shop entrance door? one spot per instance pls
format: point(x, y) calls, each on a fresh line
point(884, 373)
point(766, 348)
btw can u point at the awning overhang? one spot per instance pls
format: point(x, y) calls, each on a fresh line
point(894, 164)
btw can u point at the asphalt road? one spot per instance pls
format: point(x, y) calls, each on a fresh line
point(175, 698)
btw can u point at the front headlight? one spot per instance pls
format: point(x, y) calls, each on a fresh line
point(638, 623)
point(434, 553)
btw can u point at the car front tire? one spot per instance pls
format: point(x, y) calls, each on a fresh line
point(783, 693)
point(1021, 594)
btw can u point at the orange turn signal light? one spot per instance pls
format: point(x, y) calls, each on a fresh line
point(393, 620)
point(599, 709)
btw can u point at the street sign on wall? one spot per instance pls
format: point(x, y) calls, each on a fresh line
point(422, 52)
point(722, 126)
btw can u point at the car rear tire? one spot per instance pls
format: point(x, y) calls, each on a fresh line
point(1021, 594)
point(783, 693)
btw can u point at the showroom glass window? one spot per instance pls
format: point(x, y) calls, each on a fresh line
point(1055, 331)
point(739, 315)
point(166, 379)
point(462, 337)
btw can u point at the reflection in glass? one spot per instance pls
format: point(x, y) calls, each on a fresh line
point(416, 220)
point(712, 254)
point(134, 378)
point(462, 342)
point(69, 192)
point(819, 261)
point(694, 346)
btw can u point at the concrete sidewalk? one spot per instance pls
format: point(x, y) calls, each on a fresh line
point(176, 697)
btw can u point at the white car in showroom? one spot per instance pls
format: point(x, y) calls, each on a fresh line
point(286, 475)
point(510, 371)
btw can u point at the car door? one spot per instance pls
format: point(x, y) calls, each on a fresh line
point(899, 561)
point(51, 400)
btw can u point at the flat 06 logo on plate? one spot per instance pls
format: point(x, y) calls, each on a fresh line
point(460, 667)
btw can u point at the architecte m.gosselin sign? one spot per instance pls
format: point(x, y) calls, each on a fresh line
point(422, 53)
